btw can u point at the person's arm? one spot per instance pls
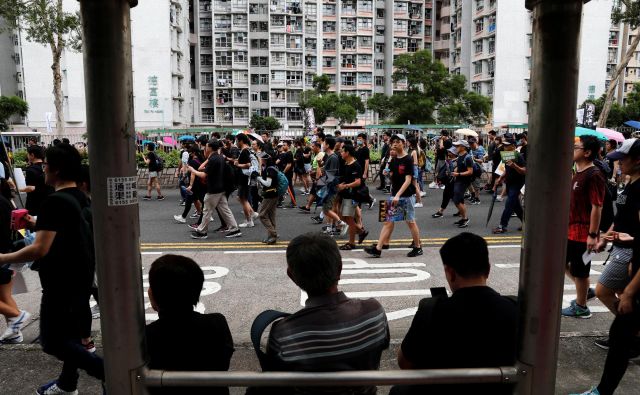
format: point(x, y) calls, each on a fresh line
point(366, 168)
point(146, 159)
point(594, 226)
point(265, 182)
point(192, 179)
point(195, 172)
point(520, 169)
point(403, 362)
point(28, 188)
point(29, 180)
point(35, 251)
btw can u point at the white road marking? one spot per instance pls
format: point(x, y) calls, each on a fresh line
point(508, 265)
point(396, 315)
point(384, 294)
point(506, 246)
point(151, 253)
point(256, 252)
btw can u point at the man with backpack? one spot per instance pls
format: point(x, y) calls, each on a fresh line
point(273, 184)
point(217, 175)
point(515, 171)
point(247, 163)
point(155, 166)
point(463, 175)
point(445, 178)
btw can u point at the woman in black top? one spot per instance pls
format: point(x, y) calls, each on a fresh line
point(196, 187)
point(350, 181)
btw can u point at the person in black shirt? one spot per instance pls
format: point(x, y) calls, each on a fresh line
point(443, 145)
point(151, 159)
point(474, 328)
point(515, 171)
point(285, 164)
point(195, 188)
point(401, 170)
point(350, 181)
point(363, 156)
point(37, 190)
point(463, 174)
point(269, 182)
point(62, 252)
point(384, 158)
point(242, 164)
point(175, 283)
point(302, 164)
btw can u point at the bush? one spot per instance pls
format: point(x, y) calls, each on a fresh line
point(171, 159)
point(20, 158)
point(374, 157)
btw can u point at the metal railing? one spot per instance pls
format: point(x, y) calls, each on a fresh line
point(161, 378)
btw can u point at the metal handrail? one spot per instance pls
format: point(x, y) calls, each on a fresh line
point(162, 378)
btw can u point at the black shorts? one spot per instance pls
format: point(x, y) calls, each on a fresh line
point(459, 188)
point(577, 268)
point(5, 275)
point(299, 170)
point(243, 191)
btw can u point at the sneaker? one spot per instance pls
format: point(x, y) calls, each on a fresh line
point(591, 293)
point(317, 219)
point(602, 343)
point(95, 312)
point(373, 251)
point(270, 240)
point(53, 389)
point(433, 185)
point(423, 194)
point(146, 198)
point(592, 391)
point(464, 223)
point(499, 230)
point(498, 198)
point(90, 347)
point(467, 195)
point(415, 251)
point(198, 235)
point(11, 337)
point(160, 197)
point(279, 205)
point(304, 209)
point(437, 214)
point(372, 203)
point(193, 226)
point(233, 233)
point(180, 219)
point(182, 203)
point(418, 205)
point(442, 187)
point(195, 215)
point(254, 216)
point(16, 324)
point(457, 214)
point(247, 224)
point(344, 229)
point(576, 311)
point(302, 191)
point(330, 230)
point(222, 229)
point(475, 201)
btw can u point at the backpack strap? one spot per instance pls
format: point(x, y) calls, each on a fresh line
point(260, 324)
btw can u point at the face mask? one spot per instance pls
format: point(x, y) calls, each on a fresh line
point(359, 142)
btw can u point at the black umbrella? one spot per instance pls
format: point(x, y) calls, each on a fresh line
point(493, 202)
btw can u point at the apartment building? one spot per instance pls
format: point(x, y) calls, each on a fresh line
point(258, 56)
point(160, 56)
point(489, 42)
point(620, 37)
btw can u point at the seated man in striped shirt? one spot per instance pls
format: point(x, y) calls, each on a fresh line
point(332, 332)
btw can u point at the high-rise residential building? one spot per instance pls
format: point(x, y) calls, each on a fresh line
point(258, 56)
point(620, 37)
point(160, 58)
point(11, 82)
point(490, 41)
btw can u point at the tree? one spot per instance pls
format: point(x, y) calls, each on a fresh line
point(628, 12)
point(323, 105)
point(381, 104)
point(321, 83)
point(261, 123)
point(10, 106)
point(45, 22)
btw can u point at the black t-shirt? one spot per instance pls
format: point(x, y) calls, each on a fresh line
point(628, 206)
point(199, 184)
point(67, 269)
point(400, 168)
point(441, 153)
point(34, 176)
point(208, 347)
point(153, 160)
point(512, 177)
point(298, 158)
point(464, 163)
point(271, 191)
point(474, 328)
point(524, 150)
point(351, 173)
point(243, 158)
point(285, 159)
point(306, 159)
point(5, 225)
point(362, 155)
point(215, 174)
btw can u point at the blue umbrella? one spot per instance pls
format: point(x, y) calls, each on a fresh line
point(186, 138)
point(633, 124)
point(145, 142)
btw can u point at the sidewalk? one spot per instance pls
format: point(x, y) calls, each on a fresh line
point(24, 367)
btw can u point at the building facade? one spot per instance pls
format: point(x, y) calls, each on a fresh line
point(258, 56)
point(620, 36)
point(490, 41)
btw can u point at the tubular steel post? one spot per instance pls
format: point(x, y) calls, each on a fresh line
point(556, 33)
point(109, 100)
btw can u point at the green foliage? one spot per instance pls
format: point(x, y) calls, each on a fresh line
point(260, 123)
point(171, 158)
point(627, 11)
point(10, 106)
point(343, 107)
point(619, 114)
point(345, 113)
point(432, 96)
point(44, 22)
point(374, 156)
point(20, 158)
point(321, 83)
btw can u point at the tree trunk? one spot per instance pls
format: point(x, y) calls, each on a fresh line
point(57, 95)
point(618, 76)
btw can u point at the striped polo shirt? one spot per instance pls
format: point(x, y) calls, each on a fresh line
point(332, 333)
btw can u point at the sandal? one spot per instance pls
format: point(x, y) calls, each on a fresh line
point(347, 247)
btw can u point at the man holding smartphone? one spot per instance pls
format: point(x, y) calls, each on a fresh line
point(587, 197)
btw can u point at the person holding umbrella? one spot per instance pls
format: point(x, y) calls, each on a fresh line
point(513, 177)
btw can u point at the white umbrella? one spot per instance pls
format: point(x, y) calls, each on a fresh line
point(256, 136)
point(466, 132)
